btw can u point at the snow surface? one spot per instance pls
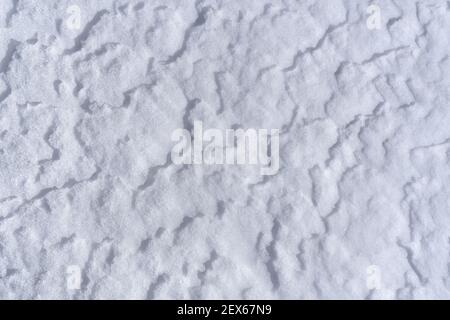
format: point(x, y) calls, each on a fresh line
point(360, 207)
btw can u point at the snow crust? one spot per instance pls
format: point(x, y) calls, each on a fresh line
point(359, 208)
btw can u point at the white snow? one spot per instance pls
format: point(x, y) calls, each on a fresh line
point(91, 206)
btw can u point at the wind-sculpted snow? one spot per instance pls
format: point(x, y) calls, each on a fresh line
point(93, 207)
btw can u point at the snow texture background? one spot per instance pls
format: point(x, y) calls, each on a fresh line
point(359, 208)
